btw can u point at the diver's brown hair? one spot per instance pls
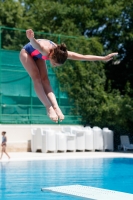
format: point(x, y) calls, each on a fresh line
point(60, 53)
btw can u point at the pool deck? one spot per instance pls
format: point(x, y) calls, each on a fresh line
point(26, 156)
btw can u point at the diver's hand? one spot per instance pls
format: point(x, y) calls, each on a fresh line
point(29, 34)
point(109, 56)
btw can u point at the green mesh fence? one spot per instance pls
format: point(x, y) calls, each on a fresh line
point(19, 103)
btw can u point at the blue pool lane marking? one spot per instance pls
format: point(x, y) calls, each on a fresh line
point(88, 192)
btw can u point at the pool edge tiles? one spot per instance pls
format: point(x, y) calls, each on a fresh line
point(88, 192)
point(28, 156)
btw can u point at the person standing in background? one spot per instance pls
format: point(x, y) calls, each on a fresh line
point(3, 144)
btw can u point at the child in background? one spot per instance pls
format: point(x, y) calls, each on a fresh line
point(3, 144)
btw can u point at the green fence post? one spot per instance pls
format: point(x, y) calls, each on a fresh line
point(30, 100)
point(59, 39)
point(0, 80)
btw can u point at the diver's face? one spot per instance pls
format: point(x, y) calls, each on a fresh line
point(54, 63)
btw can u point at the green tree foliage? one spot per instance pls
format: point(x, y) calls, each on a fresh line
point(11, 13)
point(85, 82)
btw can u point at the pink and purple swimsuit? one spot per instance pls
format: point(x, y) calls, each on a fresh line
point(34, 52)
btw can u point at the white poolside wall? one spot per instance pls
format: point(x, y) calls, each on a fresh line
point(19, 136)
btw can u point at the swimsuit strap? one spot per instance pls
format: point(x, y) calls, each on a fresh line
point(47, 40)
point(51, 43)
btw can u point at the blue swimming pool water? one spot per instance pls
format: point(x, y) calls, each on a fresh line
point(24, 180)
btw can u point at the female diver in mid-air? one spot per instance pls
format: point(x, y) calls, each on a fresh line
point(33, 57)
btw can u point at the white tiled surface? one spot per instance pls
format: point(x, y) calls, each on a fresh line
point(51, 156)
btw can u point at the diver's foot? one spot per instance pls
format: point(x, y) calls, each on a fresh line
point(59, 113)
point(52, 114)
